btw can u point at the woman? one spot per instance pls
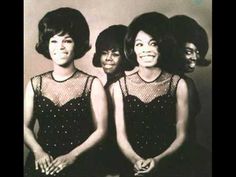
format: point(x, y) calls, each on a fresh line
point(109, 53)
point(192, 46)
point(64, 101)
point(151, 105)
point(110, 56)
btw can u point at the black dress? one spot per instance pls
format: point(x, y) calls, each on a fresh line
point(150, 119)
point(110, 157)
point(63, 111)
point(199, 155)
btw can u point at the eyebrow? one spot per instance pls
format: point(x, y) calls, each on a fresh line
point(148, 41)
point(195, 50)
point(112, 50)
point(67, 36)
point(190, 48)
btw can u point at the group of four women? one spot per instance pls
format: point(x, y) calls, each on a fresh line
point(135, 125)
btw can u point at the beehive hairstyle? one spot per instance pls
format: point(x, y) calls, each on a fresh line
point(63, 21)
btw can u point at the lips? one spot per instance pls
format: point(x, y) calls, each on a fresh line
point(60, 53)
point(192, 64)
point(147, 56)
point(108, 66)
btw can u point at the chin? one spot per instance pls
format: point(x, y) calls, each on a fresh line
point(107, 71)
point(150, 66)
point(189, 70)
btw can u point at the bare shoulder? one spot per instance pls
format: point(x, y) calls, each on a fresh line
point(113, 88)
point(29, 88)
point(182, 87)
point(96, 83)
point(182, 83)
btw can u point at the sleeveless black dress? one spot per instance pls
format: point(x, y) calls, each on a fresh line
point(150, 118)
point(111, 158)
point(63, 111)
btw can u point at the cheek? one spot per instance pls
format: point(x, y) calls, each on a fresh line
point(102, 58)
point(51, 47)
point(71, 48)
point(117, 60)
point(137, 52)
point(187, 57)
point(137, 48)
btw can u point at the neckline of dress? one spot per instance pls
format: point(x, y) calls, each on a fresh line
point(159, 75)
point(64, 79)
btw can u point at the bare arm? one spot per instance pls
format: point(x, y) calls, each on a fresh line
point(99, 112)
point(42, 159)
point(29, 136)
point(181, 129)
point(122, 139)
point(181, 118)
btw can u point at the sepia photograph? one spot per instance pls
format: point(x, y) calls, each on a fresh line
point(118, 88)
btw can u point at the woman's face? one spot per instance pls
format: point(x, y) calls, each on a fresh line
point(61, 49)
point(146, 50)
point(191, 55)
point(110, 61)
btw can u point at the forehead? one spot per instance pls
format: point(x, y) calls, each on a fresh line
point(111, 50)
point(143, 36)
point(190, 45)
point(61, 36)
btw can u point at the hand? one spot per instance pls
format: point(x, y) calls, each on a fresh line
point(147, 166)
point(138, 165)
point(60, 163)
point(42, 160)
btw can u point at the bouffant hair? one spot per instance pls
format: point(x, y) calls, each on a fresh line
point(111, 38)
point(154, 24)
point(186, 29)
point(64, 21)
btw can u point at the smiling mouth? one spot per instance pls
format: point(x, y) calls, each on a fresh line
point(61, 53)
point(108, 66)
point(147, 56)
point(192, 64)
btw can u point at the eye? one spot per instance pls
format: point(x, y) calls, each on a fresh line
point(53, 41)
point(116, 54)
point(138, 44)
point(104, 53)
point(153, 43)
point(68, 41)
point(188, 52)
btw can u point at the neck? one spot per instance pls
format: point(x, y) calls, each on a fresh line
point(149, 74)
point(114, 75)
point(61, 73)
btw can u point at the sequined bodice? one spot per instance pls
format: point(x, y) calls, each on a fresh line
point(150, 112)
point(63, 111)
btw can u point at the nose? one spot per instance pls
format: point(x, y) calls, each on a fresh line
point(194, 56)
point(61, 45)
point(145, 49)
point(109, 56)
